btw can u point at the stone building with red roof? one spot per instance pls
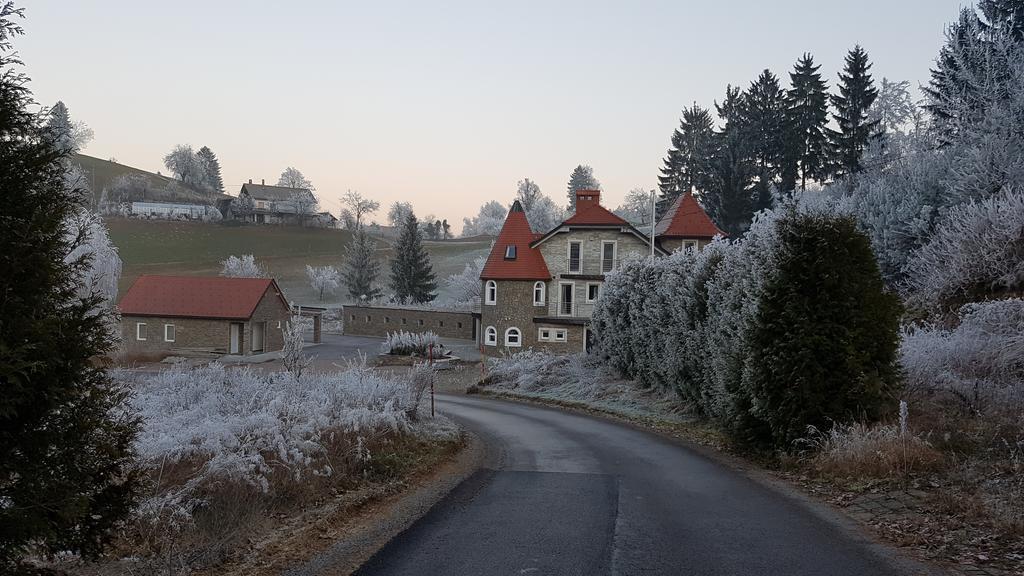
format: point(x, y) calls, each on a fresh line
point(166, 315)
point(539, 289)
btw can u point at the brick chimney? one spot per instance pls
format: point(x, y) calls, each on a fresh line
point(263, 182)
point(587, 198)
point(250, 180)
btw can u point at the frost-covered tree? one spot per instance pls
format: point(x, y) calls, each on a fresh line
point(88, 234)
point(304, 202)
point(541, 212)
point(66, 435)
point(323, 279)
point(487, 222)
point(446, 229)
point(293, 359)
point(209, 166)
point(857, 93)
point(582, 178)
point(399, 213)
point(292, 178)
point(359, 207)
point(807, 118)
point(185, 166)
point(242, 206)
point(412, 276)
point(464, 288)
point(242, 267)
point(687, 166)
point(900, 123)
point(361, 270)
point(528, 193)
point(68, 135)
point(636, 207)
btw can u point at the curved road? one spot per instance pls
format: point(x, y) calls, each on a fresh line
point(565, 493)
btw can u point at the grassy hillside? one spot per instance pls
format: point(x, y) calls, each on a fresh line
point(101, 174)
point(197, 248)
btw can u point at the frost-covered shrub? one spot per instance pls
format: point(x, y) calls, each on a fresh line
point(245, 266)
point(404, 343)
point(981, 360)
point(977, 250)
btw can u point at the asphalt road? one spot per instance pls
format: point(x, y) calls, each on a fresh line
point(565, 493)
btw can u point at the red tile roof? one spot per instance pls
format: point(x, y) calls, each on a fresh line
point(197, 296)
point(589, 211)
point(686, 219)
point(528, 263)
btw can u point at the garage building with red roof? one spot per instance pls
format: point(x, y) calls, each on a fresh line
point(167, 315)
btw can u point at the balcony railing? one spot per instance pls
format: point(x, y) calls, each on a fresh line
point(591, 266)
point(572, 308)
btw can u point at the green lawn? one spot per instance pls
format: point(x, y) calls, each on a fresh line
point(197, 248)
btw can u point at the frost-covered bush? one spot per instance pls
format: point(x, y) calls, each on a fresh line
point(404, 343)
point(245, 266)
point(87, 232)
point(981, 360)
point(579, 379)
point(976, 250)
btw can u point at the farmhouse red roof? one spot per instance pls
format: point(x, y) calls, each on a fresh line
point(589, 211)
point(197, 296)
point(526, 263)
point(686, 219)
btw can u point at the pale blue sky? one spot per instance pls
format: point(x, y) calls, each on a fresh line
point(445, 104)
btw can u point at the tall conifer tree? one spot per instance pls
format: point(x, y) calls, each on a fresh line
point(582, 178)
point(67, 476)
point(412, 277)
point(807, 118)
point(765, 126)
point(856, 94)
point(728, 198)
point(688, 163)
point(211, 169)
point(361, 270)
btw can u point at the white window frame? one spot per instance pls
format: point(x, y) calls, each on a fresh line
point(490, 298)
point(519, 336)
point(173, 332)
point(690, 246)
point(491, 336)
point(560, 335)
point(568, 257)
point(543, 289)
point(541, 337)
point(615, 254)
point(594, 299)
point(141, 327)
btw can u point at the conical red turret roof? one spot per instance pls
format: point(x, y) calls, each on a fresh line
point(522, 262)
point(686, 219)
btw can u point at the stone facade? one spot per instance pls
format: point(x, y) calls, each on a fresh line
point(204, 334)
point(380, 320)
point(672, 244)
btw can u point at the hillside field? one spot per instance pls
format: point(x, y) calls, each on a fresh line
point(197, 248)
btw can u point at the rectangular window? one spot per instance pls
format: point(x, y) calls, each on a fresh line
point(565, 305)
point(560, 335)
point(353, 317)
point(690, 246)
point(510, 252)
point(367, 319)
point(168, 332)
point(258, 331)
point(440, 323)
point(607, 257)
point(387, 319)
point(592, 292)
point(419, 322)
point(458, 324)
point(404, 321)
point(544, 335)
point(574, 257)
point(140, 331)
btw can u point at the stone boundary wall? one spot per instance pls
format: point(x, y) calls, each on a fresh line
point(380, 320)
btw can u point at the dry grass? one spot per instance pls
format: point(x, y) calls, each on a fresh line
point(880, 451)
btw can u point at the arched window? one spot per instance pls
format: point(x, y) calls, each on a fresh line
point(491, 336)
point(513, 338)
point(491, 292)
point(538, 294)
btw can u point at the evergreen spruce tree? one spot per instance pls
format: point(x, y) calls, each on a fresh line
point(210, 167)
point(361, 270)
point(825, 341)
point(765, 127)
point(1004, 15)
point(66, 475)
point(807, 118)
point(688, 163)
point(728, 197)
point(856, 94)
point(412, 277)
point(582, 178)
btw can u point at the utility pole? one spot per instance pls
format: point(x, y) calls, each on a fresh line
point(652, 223)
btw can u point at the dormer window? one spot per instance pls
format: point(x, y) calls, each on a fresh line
point(510, 252)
